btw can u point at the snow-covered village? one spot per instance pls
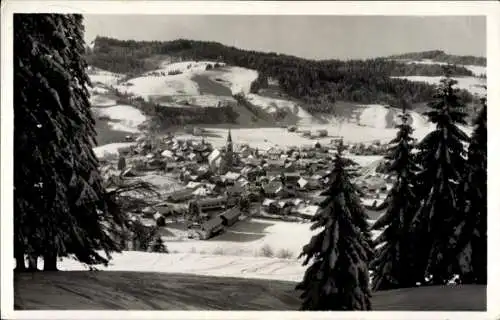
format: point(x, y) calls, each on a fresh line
point(173, 174)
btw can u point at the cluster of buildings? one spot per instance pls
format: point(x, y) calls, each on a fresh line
point(220, 185)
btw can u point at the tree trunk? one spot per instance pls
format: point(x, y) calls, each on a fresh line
point(32, 263)
point(20, 262)
point(50, 262)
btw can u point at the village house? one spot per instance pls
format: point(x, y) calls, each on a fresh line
point(235, 191)
point(275, 189)
point(290, 167)
point(208, 229)
point(230, 177)
point(322, 133)
point(273, 153)
point(180, 195)
point(305, 211)
point(206, 204)
point(266, 203)
point(230, 216)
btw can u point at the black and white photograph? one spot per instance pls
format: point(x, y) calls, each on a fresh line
point(199, 161)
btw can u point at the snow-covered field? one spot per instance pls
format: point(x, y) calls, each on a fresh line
point(248, 237)
point(104, 77)
point(227, 255)
point(111, 149)
point(101, 101)
point(179, 84)
point(205, 100)
point(477, 70)
point(159, 83)
point(264, 138)
point(199, 264)
point(374, 116)
point(124, 118)
point(237, 79)
point(272, 105)
point(471, 84)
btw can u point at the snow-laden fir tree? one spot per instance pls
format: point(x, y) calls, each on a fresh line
point(441, 157)
point(392, 264)
point(60, 204)
point(338, 277)
point(472, 243)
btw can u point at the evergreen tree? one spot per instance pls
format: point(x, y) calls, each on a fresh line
point(60, 205)
point(158, 245)
point(441, 158)
point(338, 277)
point(392, 265)
point(472, 231)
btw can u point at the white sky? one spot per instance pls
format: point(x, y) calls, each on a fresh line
point(315, 37)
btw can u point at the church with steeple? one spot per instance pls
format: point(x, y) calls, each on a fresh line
point(228, 158)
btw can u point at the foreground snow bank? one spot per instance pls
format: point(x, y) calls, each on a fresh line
point(213, 265)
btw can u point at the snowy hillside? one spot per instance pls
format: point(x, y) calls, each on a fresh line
point(477, 70)
point(237, 79)
point(176, 79)
point(110, 149)
point(472, 84)
point(271, 105)
point(99, 76)
point(123, 117)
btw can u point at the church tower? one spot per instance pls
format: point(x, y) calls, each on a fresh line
point(228, 158)
point(229, 142)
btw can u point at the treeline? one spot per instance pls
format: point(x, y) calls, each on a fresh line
point(314, 82)
point(441, 56)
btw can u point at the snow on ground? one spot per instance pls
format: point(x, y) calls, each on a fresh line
point(160, 83)
point(205, 100)
point(101, 101)
point(98, 90)
point(374, 116)
point(105, 77)
point(418, 121)
point(471, 84)
point(237, 79)
point(477, 70)
point(228, 256)
point(124, 118)
point(111, 149)
point(145, 86)
point(186, 66)
point(199, 264)
point(249, 237)
point(365, 161)
point(272, 105)
point(264, 138)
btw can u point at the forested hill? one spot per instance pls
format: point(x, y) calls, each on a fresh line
point(441, 56)
point(318, 83)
